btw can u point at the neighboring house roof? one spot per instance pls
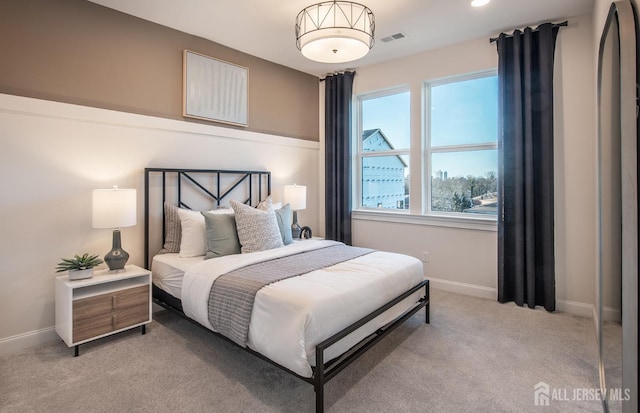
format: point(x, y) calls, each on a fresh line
point(369, 134)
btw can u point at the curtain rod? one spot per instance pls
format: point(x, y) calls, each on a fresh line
point(322, 79)
point(563, 24)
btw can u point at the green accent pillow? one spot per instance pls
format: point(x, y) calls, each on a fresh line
point(222, 236)
point(283, 215)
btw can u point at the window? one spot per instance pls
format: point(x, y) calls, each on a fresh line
point(455, 182)
point(383, 150)
point(461, 145)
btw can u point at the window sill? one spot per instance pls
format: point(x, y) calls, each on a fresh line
point(473, 223)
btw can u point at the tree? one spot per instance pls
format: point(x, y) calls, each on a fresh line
point(460, 203)
point(456, 194)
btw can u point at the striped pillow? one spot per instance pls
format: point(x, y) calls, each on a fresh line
point(173, 232)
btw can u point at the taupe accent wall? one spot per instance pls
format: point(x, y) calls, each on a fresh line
point(75, 51)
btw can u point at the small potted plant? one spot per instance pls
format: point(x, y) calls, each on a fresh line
point(79, 267)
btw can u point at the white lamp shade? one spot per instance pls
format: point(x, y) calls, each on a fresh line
point(295, 196)
point(114, 208)
point(334, 45)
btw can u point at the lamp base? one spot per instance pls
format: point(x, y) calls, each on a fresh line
point(117, 257)
point(295, 228)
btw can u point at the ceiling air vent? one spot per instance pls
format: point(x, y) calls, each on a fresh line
point(393, 37)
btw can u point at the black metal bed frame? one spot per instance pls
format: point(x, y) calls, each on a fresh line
point(323, 371)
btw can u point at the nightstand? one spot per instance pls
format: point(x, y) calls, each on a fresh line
point(104, 304)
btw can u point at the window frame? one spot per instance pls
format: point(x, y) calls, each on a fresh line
point(428, 150)
point(359, 154)
point(419, 163)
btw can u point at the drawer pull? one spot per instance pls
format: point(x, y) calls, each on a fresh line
point(114, 320)
point(113, 302)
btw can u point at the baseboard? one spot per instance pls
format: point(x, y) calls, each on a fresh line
point(564, 306)
point(575, 308)
point(611, 314)
point(46, 335)
point(608, 314)
point(463, 288)
point(23, 341)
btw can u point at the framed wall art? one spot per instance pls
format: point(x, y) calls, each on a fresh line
point(214, 90)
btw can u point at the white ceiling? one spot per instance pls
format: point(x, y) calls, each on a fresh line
point(265, 28)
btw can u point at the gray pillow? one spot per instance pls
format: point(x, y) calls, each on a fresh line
point(257, 230)
point(222, 237)
point(283, 215)
point(173, 232)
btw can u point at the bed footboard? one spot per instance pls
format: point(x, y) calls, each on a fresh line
point(325, 372)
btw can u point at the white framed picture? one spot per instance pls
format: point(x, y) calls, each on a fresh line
point(214, 90)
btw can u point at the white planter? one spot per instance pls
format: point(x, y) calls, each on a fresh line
point(81, 274)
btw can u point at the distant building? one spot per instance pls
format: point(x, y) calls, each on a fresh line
point(383, 177)
point(441, 174)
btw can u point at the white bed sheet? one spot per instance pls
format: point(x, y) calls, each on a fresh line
point(293, 315)
point(168, 271)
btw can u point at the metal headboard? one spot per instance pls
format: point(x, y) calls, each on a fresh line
point(197, 189)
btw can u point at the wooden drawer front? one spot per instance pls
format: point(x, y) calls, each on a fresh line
point(111, 321)
point(105, 304)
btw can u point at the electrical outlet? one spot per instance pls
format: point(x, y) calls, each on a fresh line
point(425, 256)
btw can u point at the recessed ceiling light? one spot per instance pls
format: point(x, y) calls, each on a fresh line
point(479, 3)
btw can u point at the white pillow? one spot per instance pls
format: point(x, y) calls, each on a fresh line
point(194, 231)
point(266, 204)
point(257, 230)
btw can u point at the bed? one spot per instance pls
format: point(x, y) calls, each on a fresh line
point(310, 307)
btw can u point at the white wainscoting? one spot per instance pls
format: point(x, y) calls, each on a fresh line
point(52, 155)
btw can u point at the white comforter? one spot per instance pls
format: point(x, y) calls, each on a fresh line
point(293, 315)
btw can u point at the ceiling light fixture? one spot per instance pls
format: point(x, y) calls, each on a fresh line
point(479, 3)
point(335, 31)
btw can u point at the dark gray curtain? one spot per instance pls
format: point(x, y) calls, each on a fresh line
point(338, 89)
point(526, 261)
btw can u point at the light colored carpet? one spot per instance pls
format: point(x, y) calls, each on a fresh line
point(477, 355)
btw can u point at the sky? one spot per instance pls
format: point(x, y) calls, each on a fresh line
point(391, 115)
point(463, 112)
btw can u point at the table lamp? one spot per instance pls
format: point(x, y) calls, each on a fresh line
point(114, 208)
point(296, 197)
